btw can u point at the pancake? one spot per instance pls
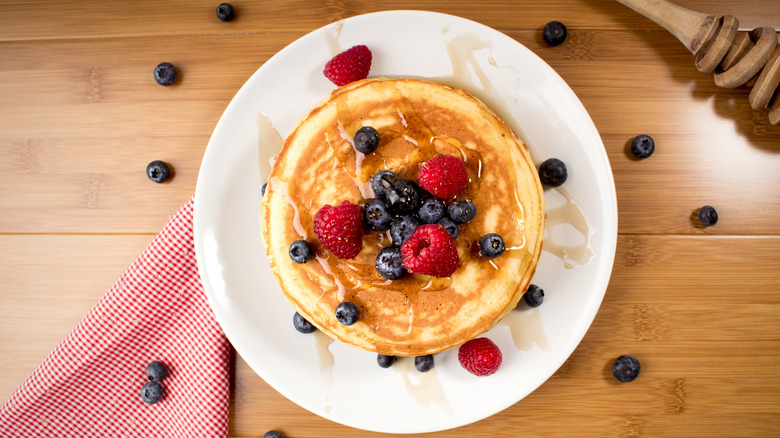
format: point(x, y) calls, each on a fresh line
point(416, 120)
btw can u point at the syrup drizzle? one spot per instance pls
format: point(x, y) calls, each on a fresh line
point(527, 329)
point(425, 387)
point(573, 255)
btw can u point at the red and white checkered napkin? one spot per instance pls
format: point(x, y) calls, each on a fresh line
point(90, 385)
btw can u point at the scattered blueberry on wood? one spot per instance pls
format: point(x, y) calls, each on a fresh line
point(554, 33)
point(626, 368)
point(158, 171)
point(708, 216)
point(642, 146)
point(226, 12)
point(165, 73)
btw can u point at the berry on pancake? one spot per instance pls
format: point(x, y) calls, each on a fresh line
point(340, 229)
point(444, 176)
point(430, 251)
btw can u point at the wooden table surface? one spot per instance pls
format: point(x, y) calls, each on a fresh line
point(80, 117)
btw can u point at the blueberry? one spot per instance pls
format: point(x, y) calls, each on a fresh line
point(403, 197)
point(151, 392)
point(272, 434)
point(158, 171)
point(156, 372)
point(452, 228)
point(165, 73)
point(424, 363)
point(554, 33)
point(302, 325)
point(534, 296)
point(385, 361)
point(347, 313)
point(389, 263)
point(402, 228)
point(708, 216)
point(366, 139)
point(377, 215)
point(626, 368)
point(262, 189)
point(491, 245)
point(381, 181)
point(642, 146)
point(461, 211)
point(225, 12)
point(553, 172)
point(300, 251)
point(431, 210)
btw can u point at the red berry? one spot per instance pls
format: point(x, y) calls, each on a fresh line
point(350, 65)
point(480, 356)
point(340, 229)
point(430, 251)
point(444, 176)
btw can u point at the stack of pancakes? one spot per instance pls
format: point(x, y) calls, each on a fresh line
point(416, 120)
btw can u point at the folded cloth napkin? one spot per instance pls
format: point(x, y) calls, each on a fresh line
point(90, 385)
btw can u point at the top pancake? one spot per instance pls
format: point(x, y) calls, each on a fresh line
point(416, 120)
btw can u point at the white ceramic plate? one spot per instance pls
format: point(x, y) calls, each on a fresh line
point(339, 382)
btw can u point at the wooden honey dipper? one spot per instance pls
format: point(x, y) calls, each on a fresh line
point(735, 57)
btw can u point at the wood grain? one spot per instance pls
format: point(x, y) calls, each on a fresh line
point(80, 117)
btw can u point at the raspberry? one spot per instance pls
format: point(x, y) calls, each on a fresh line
point(430, 251)
point(350, 65)
point(340, 229)
point(480, 356)
point(444, 176)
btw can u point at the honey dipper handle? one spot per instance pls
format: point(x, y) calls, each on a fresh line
point(692, 28)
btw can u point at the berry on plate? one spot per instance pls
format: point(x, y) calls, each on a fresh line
point(425, 363)
point(444, 176)
point(385, 361)
point(302, 325)
point(348, 66)
point(534, 296)
point(553, 172)
point(480, 356)
point(430, 251)
point(340, 229)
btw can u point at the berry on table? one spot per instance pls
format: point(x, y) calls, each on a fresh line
point(642, 146)
point(554, 33)
point(366, 139)
point(300, 251)
point(151, 392)
point(461, 211)
point(708, 216)
point(425, 363)
point(340, 229)
point(385, 361)
point(491, 245)
point(165, 73)
point(225, 12)
point(390, 263)
point(302, 325)
point(553, 172)
point(348, 66)
point(347, 313)
point(626, 368)
point(377, 215)
point(430, 251)
point(156, 371)
point(273, 434)
point(480, 356)
point(158, 171)
point(444, 176)
point(534, 296)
